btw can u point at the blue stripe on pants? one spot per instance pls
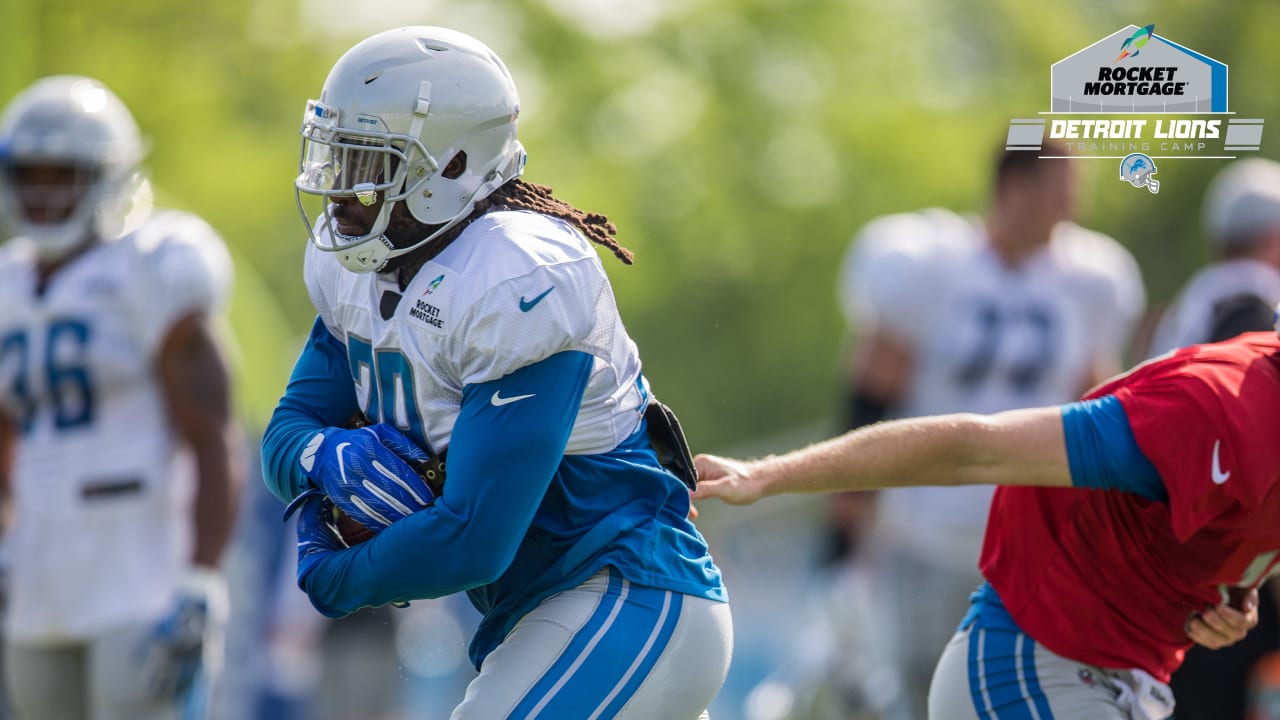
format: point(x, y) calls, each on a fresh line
point(975, 674)
point(610, 605)
point(609, 657)
point(1002, 677)
point(1033, 679)
point(654, 646)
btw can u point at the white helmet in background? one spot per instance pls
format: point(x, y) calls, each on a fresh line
point(1242, 201)
point(394, 111)
point(76, 124)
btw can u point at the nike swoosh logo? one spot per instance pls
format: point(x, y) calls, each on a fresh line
point(527, 305)
point(1219, 477)
point(497, 401)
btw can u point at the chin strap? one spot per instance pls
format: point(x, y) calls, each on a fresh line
point(369, 256)
point(374, 254)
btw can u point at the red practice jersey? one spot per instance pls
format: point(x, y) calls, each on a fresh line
point(1110, 578)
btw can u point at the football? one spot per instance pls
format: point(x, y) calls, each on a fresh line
point(352, 532)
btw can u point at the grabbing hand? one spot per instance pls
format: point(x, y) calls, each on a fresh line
point(1227, 623)
point(179, 647)
point(318, 538)
point(317, 535)
point(368, 473)
point(726, 479)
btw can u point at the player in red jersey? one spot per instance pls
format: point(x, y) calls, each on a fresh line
point(1127, 527)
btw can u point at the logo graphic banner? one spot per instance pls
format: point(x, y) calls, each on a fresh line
point(1137, 97)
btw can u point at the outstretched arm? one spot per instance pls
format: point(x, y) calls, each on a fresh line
point(1019, 447)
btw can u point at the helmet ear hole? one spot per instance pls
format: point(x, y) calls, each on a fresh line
point(457, 165)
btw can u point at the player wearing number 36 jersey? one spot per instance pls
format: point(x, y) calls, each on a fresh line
point(93, 433)
point(466, 314)
point(117, 445)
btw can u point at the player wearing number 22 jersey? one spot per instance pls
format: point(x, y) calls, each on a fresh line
point(987, 336)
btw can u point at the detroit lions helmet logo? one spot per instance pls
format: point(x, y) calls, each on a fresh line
point(1137, 169)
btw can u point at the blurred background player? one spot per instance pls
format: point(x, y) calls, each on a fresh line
point(951, 313)
point(120, 456)
point(464, 310)
point(1234, 294)
point(1238, 291)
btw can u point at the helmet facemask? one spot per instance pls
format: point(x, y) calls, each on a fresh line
point(370, 165)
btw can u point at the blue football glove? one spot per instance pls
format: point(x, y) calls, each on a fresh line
point(317, 535)
point(368, 473)
point(188, 639)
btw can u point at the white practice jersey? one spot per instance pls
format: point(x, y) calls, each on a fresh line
point(103, 531)
point(1188, 321)
point(986, 337)
point(468, 317)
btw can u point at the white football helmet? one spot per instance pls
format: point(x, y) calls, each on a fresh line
point(395, 109)
point(71, 122)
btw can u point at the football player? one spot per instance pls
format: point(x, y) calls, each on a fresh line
point(1018, 308)
point(464, 312)
point(1126, 527)
point(1234, 294)
point(121, 458)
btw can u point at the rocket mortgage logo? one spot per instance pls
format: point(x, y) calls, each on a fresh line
point(1138, 99)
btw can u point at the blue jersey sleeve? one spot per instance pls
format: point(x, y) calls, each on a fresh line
point(320, 394)
point(505, 448)
point(1102, 452)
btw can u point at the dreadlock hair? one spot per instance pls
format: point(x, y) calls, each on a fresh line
point(515, 195)
point(521, 195)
